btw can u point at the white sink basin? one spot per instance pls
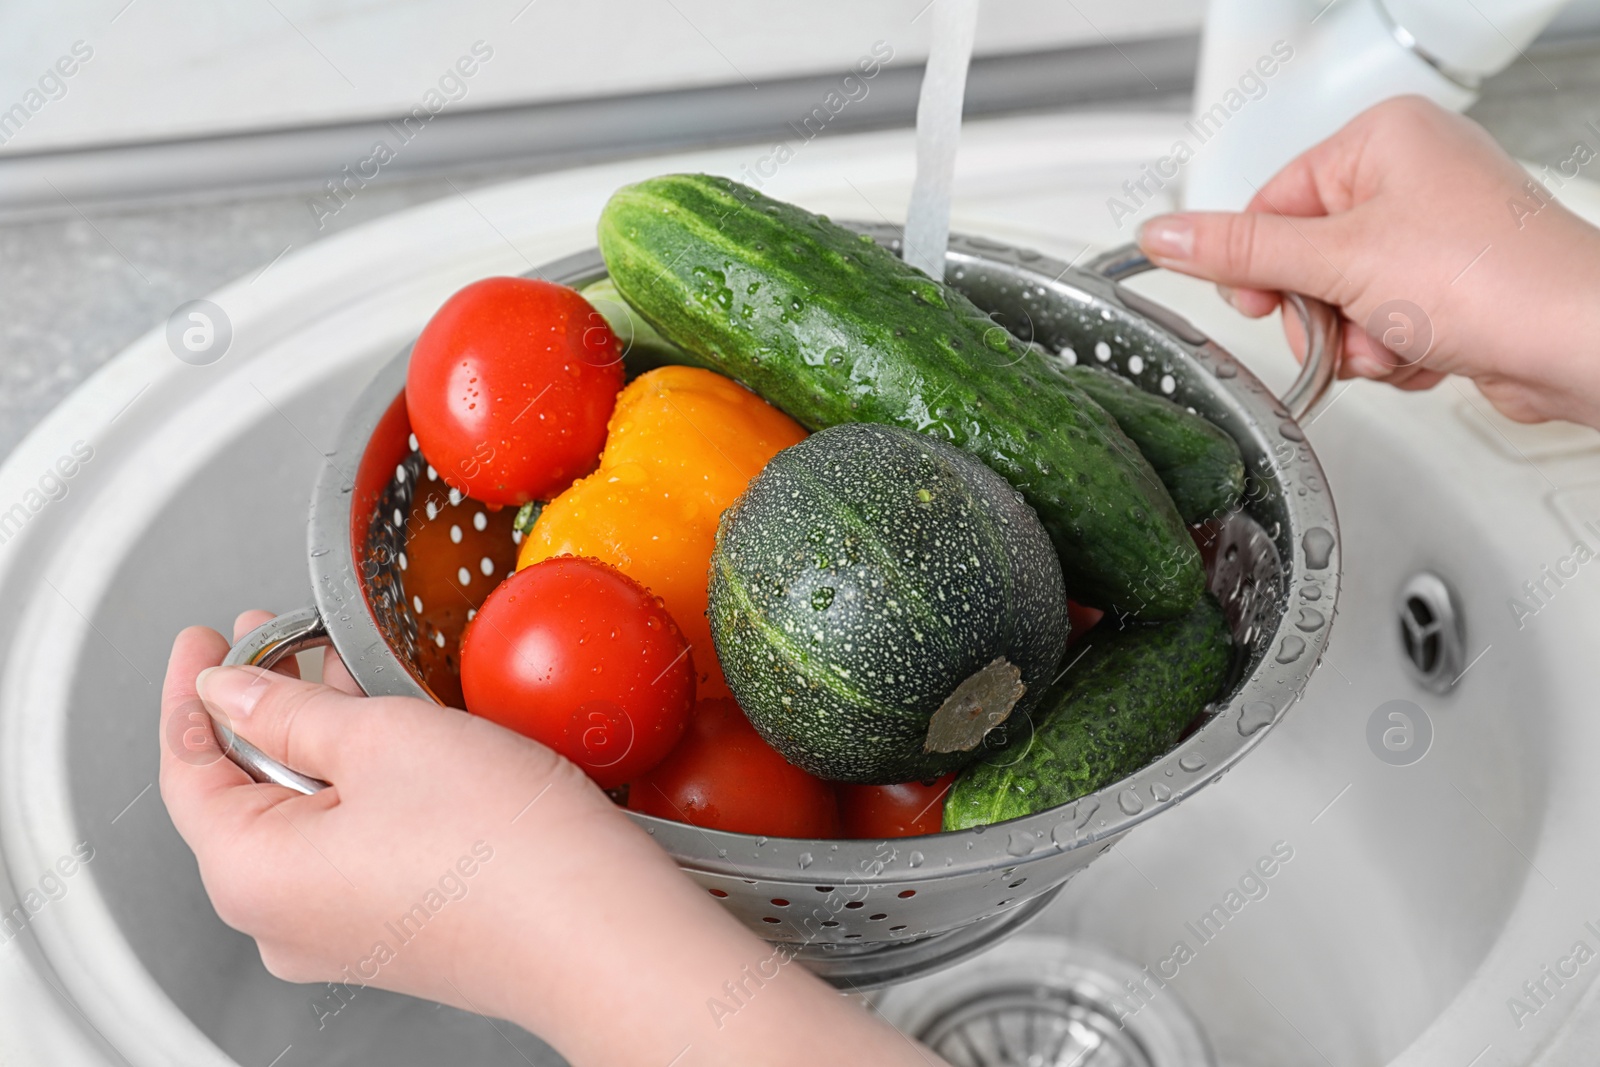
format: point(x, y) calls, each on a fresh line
point(1417, 899)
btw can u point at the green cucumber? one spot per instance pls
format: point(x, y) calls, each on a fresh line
point(1123, 702)
point(832, 328)
point(880, 602)
point(1200, 465)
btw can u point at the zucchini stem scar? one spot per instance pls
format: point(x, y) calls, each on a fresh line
point(975, 707)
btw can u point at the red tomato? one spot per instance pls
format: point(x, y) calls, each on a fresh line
point(1206, 536)
point(725, 777)
point(510, 387)
point(575, 654)
point(904, 810)
point(1081, 619)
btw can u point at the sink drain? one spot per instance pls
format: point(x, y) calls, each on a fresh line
point(1042, 1001)
point(1033, 1027)
point(1432, 633)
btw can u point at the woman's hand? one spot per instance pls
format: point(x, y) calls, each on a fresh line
point(428, 807)
point(460, 862)
point(1443, 254)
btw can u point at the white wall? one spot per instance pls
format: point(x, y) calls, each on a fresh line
point(175, 68)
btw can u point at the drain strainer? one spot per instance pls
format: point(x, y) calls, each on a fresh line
point(1045, 1001)
point(1431, 632)
point(1032, 1027)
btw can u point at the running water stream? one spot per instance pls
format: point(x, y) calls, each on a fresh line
point(944, 84)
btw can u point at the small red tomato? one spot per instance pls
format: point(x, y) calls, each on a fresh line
point(1206, 536)
point(904, 810)
point(1080, 620)
point(578, 656)
point(723, 776)
point(510, 387)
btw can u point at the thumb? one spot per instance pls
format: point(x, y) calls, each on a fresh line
point(1252, 250)
point(301, 724)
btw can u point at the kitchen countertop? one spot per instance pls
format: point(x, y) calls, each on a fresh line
point(79, 286)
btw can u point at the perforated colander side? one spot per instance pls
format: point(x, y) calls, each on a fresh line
point(863, 912)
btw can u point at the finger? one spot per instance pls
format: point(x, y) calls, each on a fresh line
point(249, 620)
point(1364, 357)
point(301, 724)
point(195, 772)
point(1251, 303)
point(1252, 250)
point(337, 675)
point(1423, 379)
point(1418, 378)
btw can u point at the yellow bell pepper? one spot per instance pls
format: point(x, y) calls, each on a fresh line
point(682, 444)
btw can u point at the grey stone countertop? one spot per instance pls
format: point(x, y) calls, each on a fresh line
point(77, 287)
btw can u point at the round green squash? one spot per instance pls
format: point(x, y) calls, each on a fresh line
point(881, 602)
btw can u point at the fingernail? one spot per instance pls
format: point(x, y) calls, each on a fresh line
point(235, 690)
point(1168, 237)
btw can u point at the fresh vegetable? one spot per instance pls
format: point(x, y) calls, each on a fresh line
point(907, 809)
point(880, 601)
point(509, 388)
point(832, 328)
point(1080, 620)
point(1121, 705)
point(683, 444)
point(577, 655)
point(724, 777)
point(1198, 463)
point(642, 346)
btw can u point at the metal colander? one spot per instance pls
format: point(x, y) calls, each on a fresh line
point(863, 913)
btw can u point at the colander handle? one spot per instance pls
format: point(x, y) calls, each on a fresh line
point(1321, 323)
point(264, 646)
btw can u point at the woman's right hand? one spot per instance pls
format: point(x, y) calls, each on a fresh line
point(1443, 255)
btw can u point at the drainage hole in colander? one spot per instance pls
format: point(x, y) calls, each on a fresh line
point(854, 904)
point(770, 919)
point(875, 918)
point(1015, 884)
point(896, 929)
point(779, 902)
point(719, 892)
point(904, 893)
point(823, 888)
point(852, 937)
point(829, 922)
